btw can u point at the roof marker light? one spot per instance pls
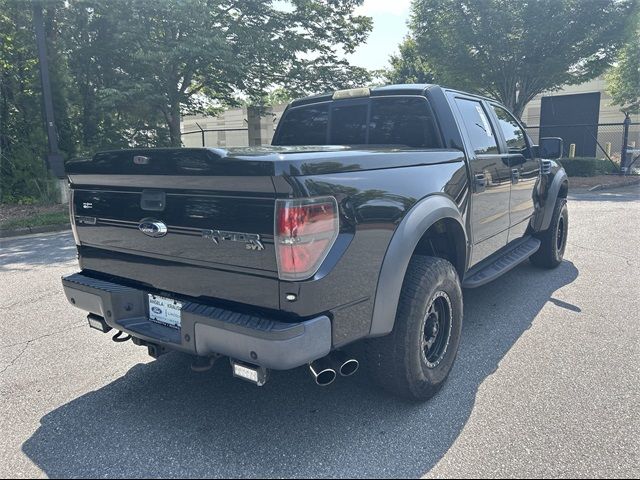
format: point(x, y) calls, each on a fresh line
point(352, 93)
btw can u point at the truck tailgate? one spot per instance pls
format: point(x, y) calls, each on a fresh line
point(219, 227)
point(199, 226)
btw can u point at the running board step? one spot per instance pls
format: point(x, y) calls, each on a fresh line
point(511, 258)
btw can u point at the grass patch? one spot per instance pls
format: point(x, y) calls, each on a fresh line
point(37, 220)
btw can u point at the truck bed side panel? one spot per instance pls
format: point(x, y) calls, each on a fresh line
point(372, 205)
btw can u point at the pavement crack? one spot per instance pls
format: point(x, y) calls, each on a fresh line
point(46, 335)
point(28, 301)
point(26, 344)
point(590, 249)
point(16, 358)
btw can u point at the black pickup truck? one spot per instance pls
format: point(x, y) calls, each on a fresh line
point(359, 226)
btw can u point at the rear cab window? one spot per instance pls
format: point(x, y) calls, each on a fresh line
point(404, 121)
point(305, 126)
point(349, 124)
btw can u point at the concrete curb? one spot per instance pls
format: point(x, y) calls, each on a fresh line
point(18, 232)
point(606, 186)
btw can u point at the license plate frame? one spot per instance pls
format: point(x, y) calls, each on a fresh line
point(165, 311)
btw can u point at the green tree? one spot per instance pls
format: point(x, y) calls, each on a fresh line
point(514, 50)
point(162, 59)
point(123, 73)
point(409, 66)
point(112, 108)
point(22, 138)
point(623, 82)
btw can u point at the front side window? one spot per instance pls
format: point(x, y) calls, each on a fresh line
point(513, 133)
point(476, 121)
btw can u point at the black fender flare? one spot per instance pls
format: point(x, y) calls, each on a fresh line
point(543, 218)
point(413, 226)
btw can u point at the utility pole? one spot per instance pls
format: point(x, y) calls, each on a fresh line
point(1, 137)
point(53, 158)
point(625, 143)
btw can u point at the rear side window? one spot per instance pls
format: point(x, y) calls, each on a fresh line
point(476, 121)
point(349, 124)
point(402, 121)
point(305, 126)
point(393, 120)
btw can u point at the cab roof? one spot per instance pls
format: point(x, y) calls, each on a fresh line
point(398, 89)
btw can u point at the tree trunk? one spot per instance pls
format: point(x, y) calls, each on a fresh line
point(508, 96)
point(518, 110)
point(174, 124)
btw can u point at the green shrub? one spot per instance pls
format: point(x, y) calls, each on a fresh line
point(24, 178)
point(38, 220)
point(587, 167)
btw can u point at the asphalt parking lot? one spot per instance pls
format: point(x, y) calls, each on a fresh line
point(547, 383)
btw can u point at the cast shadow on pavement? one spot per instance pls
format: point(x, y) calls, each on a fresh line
point(27, 253)
point(162, 420)
point(623, 195)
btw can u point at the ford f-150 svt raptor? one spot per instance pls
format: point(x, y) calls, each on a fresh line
point(362, 222)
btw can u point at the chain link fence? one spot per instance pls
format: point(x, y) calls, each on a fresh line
point(602, 141)
point(216, 137)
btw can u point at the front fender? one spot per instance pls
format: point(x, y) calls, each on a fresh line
point(555, 180)
point(403, 243)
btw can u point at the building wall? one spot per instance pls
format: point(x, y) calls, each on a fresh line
point(250, 131)
point(608, 113)
point(610, 134)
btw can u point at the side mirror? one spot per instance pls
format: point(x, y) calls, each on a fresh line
point(551, 148)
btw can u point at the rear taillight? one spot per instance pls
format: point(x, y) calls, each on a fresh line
point(305, 232)
point(72, 218)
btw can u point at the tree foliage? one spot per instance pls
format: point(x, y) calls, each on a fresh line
point(22, 171)
point(124, 72)
point(409, 66)
point(624, 79)
point(173, 57)
point(514, 50)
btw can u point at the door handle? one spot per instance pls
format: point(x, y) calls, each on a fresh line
point(480, 182)
point(515, 175)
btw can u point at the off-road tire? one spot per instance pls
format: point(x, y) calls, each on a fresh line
point(554, 239)
point(398, 362)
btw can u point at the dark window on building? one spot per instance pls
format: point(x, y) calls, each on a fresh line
point(349, 124)
point(476, 121)
point(305, 126)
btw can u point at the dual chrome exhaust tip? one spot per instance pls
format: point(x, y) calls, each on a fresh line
point(325, 370)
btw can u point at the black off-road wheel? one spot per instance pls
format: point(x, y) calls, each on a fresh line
point(554, 239)
point(415, 359)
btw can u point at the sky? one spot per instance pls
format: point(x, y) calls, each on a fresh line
point(389, 28)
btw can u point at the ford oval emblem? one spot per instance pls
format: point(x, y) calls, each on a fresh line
point(153, 228)
point(156, 310)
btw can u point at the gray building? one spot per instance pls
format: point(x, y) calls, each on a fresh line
point(238, 127)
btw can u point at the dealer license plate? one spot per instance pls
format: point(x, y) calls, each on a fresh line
point(165, 311)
